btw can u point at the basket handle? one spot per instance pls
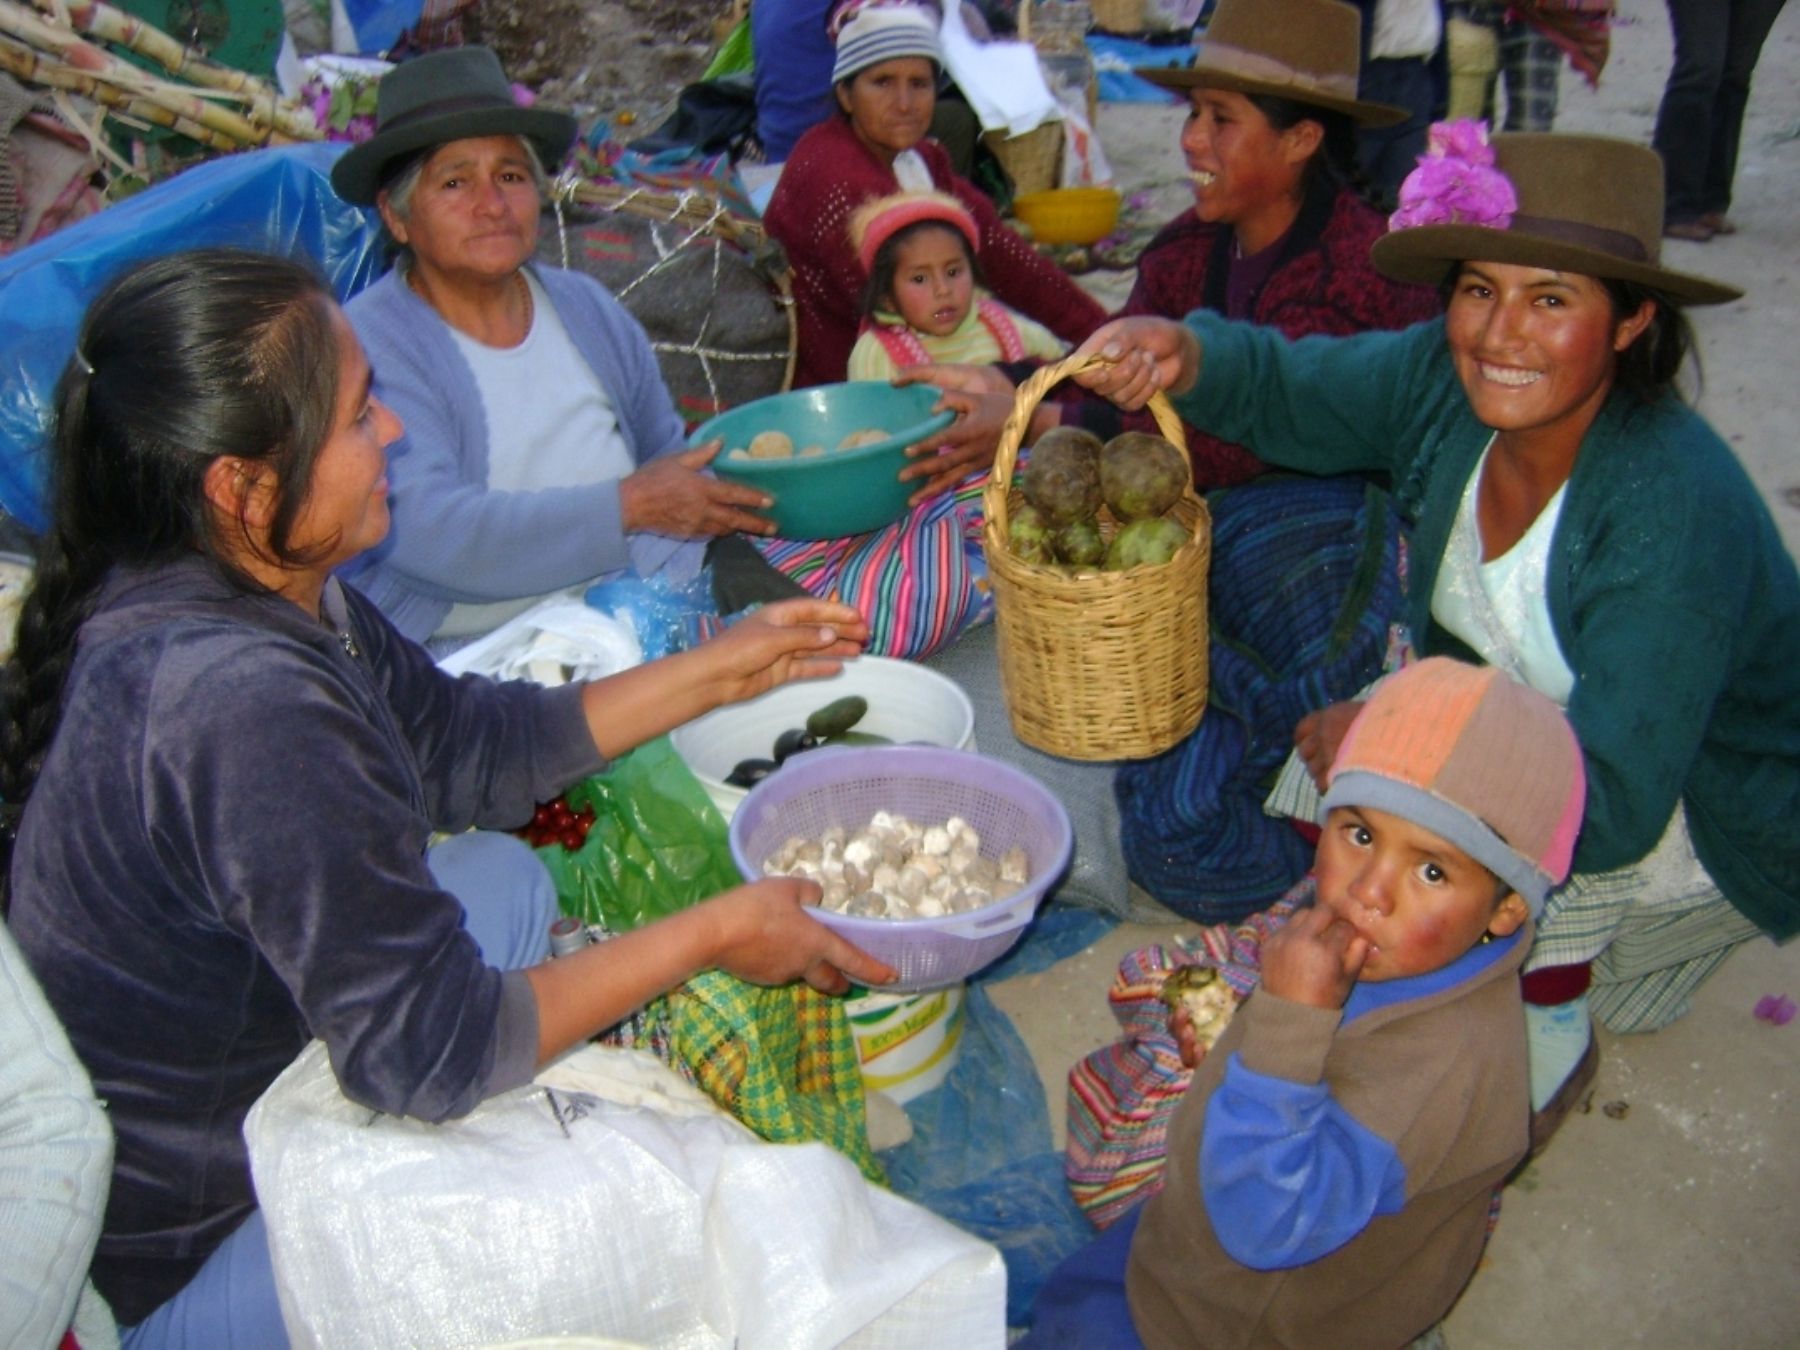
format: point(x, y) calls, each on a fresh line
point(1025, 401)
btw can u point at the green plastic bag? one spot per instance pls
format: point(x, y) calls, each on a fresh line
point(657, 844)
point(734, 55)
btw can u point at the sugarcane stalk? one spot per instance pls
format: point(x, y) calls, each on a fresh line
point(35, 67)
point(84, 57)
point(263, 103)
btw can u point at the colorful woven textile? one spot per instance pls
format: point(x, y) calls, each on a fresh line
point(1306, 582)
point(1122, 1095)
point(781, 1060)
point(920, 582)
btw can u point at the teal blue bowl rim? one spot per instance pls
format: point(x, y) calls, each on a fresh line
point(897, 441)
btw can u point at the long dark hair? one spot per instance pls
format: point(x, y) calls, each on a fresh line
point(1334, 164)
point(1648, 369)
point(180, 361)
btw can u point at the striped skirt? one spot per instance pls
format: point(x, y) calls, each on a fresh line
point(920, 582)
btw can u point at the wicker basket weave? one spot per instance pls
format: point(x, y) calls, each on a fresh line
point(1033, 161)
point(1097, 665)
point(1119, 16)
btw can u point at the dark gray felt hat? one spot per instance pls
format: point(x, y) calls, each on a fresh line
point(438, 98)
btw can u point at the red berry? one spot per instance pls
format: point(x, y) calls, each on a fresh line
point(585, 816)
point(572, 839)
point(542, 816)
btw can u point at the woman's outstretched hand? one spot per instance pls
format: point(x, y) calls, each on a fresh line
point(673, 495)
point(789, 640)
point(982, 398)
point(1143, 355)
point(1318, 735)
point(797, 639)
point(770, 938)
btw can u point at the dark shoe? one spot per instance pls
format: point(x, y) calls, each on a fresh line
point(1696, 231)
point(1575, 1091)
point(1718, 222)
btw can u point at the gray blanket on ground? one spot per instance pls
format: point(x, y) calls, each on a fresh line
point(1096, 877)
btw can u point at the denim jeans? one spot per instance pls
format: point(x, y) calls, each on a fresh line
point(231, 1303)
point(1717, 43)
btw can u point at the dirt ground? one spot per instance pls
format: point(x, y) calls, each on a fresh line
point(602, 58)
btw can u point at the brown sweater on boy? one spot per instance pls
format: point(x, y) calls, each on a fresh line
point(1443, 1078)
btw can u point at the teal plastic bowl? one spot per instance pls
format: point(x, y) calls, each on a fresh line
point(841, 491)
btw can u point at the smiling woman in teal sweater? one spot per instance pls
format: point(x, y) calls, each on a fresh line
point(1573, 521)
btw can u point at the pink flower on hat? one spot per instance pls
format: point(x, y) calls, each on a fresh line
point(1456, 182)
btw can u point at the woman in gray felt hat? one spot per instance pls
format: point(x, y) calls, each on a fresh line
point(1576, 523)
point(543, 450)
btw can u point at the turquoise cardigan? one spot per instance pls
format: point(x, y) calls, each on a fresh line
point(1670, 591)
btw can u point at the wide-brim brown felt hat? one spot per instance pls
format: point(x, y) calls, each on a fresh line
point(441, 97)
point(1592, 205)
point(1309, 51)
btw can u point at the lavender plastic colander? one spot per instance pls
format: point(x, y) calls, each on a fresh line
point(846, 786)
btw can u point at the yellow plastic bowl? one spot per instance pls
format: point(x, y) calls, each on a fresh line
point(1075, 215)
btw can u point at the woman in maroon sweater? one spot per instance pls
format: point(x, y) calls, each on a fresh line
point(1278, 232)
point(885, 83)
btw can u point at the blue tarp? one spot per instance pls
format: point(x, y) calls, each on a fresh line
point(278, 201)
point(981, 1154)
point(1115, 58)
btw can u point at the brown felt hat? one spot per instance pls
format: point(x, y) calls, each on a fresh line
point(1587, 204)
point(441, 97)
point(1309, 51)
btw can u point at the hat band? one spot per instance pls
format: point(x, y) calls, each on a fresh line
point(1597, 237)
point(1249, 65)
point(438, 107)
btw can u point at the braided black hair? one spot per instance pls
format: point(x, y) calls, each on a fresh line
point(182, 360)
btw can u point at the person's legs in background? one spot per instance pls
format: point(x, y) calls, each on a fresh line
point(1684, 134)
point(1388, 154)
point(1531, 65)
point(1748, 27)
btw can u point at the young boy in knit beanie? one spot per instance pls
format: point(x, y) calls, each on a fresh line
point(1331, 1169)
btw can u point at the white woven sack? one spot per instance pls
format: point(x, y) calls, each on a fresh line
point(609, 1199)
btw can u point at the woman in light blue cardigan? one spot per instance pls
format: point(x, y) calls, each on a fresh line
point(542, 449)
point(1575, 522)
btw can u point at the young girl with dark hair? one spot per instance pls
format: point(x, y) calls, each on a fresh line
point(224, 767)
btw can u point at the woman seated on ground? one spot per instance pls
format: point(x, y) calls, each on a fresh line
point(1575, 522)
point(229, 766)
point(1279, 233)
point(543, 449)
point(885, 82)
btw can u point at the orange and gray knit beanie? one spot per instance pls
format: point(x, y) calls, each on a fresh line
point(1478, 759)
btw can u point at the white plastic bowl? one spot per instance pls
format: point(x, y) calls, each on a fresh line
point(907, 702)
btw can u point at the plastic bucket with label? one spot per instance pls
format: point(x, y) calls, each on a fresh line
point(907, 1043)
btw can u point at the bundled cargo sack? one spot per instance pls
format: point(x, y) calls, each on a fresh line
point(609, 1198)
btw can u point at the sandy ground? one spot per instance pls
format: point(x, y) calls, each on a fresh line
point(1668, 1218)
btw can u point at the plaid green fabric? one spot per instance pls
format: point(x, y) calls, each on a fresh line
point(782, 1061)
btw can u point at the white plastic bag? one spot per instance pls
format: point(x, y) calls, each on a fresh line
point(555, 641)
point(608, 1199)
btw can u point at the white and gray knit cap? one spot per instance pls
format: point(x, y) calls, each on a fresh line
point(871, 33)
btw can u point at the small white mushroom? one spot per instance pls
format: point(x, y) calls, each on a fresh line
point(885, 878)
point(912, 883)
point(1013, 866)
point(935, 841)
point(837, 895)
point(856, 878)
point(926, 907)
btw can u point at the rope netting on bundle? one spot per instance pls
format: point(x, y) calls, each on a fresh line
point(713, 292)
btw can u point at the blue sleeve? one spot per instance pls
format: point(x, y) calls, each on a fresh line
point(1287, 1174)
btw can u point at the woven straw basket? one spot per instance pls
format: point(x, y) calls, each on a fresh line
point(1119, 16)
point(1033, 161)
point(1097, 665)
